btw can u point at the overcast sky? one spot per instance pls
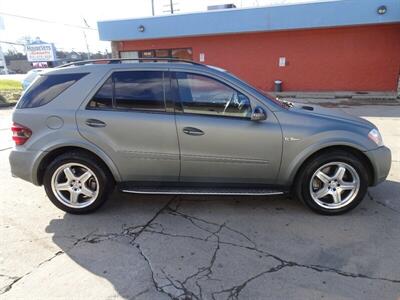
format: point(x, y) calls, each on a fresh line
point(73, 11)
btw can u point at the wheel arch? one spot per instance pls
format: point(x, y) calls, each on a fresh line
point(52, 153)
point(351, 149)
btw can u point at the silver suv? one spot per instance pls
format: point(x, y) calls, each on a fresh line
point(185, 128)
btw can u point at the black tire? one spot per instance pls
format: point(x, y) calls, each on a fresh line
point(303, 180)
point(102, 174)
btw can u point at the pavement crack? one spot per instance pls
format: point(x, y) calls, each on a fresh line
point(156, 285)
point(283, 263)
point(131, 231)
point(320, 268)
point(233, 292)
point(143, 227)
point(178, 285)
point(286, 263)
point(195, 221)
point(382, 203)
point(9, 286)
point(15, 279)
point(4, 149)
point(84, 238)
point(206, 271)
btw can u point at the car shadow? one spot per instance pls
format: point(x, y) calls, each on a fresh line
point(106, 243)
point(102, 242)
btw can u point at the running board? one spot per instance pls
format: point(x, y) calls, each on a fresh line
point(201, 191)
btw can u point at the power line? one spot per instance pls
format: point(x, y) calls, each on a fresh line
point(11, 43)
point(46, 21)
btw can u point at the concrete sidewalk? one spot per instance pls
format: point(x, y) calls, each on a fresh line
point(342, 97)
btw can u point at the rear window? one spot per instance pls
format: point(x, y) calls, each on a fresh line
point(47, 87)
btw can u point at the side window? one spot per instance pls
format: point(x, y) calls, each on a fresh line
point(204, 95)
point(139, 90)
point(46, 88)
point(103, 98)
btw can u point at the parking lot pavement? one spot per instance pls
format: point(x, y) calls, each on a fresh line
point(156, 247)
point(5, 124)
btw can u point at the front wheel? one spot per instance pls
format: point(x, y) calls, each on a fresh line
point(77, 182)
point(332, 183)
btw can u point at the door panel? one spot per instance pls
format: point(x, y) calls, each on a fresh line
point(218, 141)
point(126, 118)
point(230, 150)
point(143, 145)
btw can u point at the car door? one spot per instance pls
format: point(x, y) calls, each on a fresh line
point(218, 140)
point(128, 119)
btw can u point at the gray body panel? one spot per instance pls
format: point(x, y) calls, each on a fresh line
point(143, 145)
point(147, 146)
point(231, 150)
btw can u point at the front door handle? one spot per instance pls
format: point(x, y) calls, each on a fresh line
point(192, 131)
point(95, 123)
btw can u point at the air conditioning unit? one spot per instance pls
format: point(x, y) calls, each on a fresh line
point(221, 6)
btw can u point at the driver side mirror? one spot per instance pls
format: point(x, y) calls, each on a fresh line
point(258, 114)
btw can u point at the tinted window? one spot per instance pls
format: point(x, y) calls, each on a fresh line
point(47, 87)
point(204, 95)
point(103, 97)
point(139, 90)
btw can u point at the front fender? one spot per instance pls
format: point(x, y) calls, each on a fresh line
point(295, 153)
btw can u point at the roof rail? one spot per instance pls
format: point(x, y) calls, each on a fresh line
point(122, 60)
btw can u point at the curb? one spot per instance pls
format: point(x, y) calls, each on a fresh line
point(391, 96)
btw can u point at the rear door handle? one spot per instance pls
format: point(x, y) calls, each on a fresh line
point(192, 131)
point(95, 123)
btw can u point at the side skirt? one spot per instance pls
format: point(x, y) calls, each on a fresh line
point(201, 189)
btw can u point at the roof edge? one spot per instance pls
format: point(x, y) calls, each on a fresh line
point(331, 13)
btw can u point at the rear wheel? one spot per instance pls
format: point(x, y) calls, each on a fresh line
point(77, 182)
point(332, 183)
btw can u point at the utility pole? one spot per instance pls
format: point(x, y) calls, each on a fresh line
point(84, 36)
point(171, 8)
point(87, 45)
point(152, 7)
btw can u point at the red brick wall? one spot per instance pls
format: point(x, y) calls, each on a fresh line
point(346, 58)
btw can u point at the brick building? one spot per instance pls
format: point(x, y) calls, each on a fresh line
point(347, 45)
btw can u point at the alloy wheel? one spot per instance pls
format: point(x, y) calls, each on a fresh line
point(334, 185)
point(75, 185)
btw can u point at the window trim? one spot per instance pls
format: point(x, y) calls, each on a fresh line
point(178, 101)
point(113, 100)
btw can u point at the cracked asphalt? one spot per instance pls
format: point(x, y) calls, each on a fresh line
point(187, 247)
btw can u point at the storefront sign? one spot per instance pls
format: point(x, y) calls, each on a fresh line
point(41, 52)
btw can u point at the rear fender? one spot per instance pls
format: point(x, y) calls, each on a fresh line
point(77, 144)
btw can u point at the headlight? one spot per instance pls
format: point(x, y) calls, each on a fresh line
point(375, 136)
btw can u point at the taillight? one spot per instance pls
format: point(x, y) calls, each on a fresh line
point(20, 133)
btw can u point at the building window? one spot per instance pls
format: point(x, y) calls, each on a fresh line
point(147, 54)
point(180, 53)
point(184, 53)
point(130, 55)
point(163, 53)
